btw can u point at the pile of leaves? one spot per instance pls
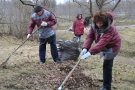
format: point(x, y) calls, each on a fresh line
point(77, 81)
point(48, 76)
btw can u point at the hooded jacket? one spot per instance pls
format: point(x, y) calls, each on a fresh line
point(107, 40)
point(78, 26)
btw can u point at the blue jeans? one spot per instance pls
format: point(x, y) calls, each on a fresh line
point(53, 47)
point(107, 73)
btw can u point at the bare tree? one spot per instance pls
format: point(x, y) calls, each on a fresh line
point(99, 3)
point(28, 2)
point(15, 14)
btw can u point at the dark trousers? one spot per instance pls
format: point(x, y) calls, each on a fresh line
point(107, 73)
point(42, 50)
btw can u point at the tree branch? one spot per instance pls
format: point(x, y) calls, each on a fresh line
point(116, 5)
point(27, 4)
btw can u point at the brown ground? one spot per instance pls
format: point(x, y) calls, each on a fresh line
point(46, 80)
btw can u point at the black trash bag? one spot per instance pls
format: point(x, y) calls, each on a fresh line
point(69, 49)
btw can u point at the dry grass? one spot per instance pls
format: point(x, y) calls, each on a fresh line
point(23, 62)
point(123, 73)
point(128, 42)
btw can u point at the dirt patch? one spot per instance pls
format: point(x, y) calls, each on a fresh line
point(50, 78)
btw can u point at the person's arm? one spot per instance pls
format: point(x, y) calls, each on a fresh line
point(87, 45)
point(31, 26)
point(52, 20)
point(89, 40)
point(104, 40)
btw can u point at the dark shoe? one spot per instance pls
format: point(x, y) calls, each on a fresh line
point(58, 61)
point(100, 79)
point(102, 88)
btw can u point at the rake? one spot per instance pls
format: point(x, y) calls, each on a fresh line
point(62, 84)
point(16, 49)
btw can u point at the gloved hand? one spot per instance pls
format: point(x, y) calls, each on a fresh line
point(72, 32)
point(28, 36)
point(44, 23)
point(88, 54)
point(83, 51)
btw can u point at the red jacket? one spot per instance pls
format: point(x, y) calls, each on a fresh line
point(78, 26)
point(110, 39)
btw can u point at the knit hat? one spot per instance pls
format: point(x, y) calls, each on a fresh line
point(37, 9)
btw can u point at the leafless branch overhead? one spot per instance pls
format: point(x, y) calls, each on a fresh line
point(24, 2)
point(116, 5)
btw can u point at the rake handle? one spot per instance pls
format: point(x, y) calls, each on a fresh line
point(17, 48)
point(68, 75)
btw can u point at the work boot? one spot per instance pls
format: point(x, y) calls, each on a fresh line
point(102, 88)
point(58, 61)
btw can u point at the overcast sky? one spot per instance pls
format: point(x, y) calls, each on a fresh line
point(60, 1)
